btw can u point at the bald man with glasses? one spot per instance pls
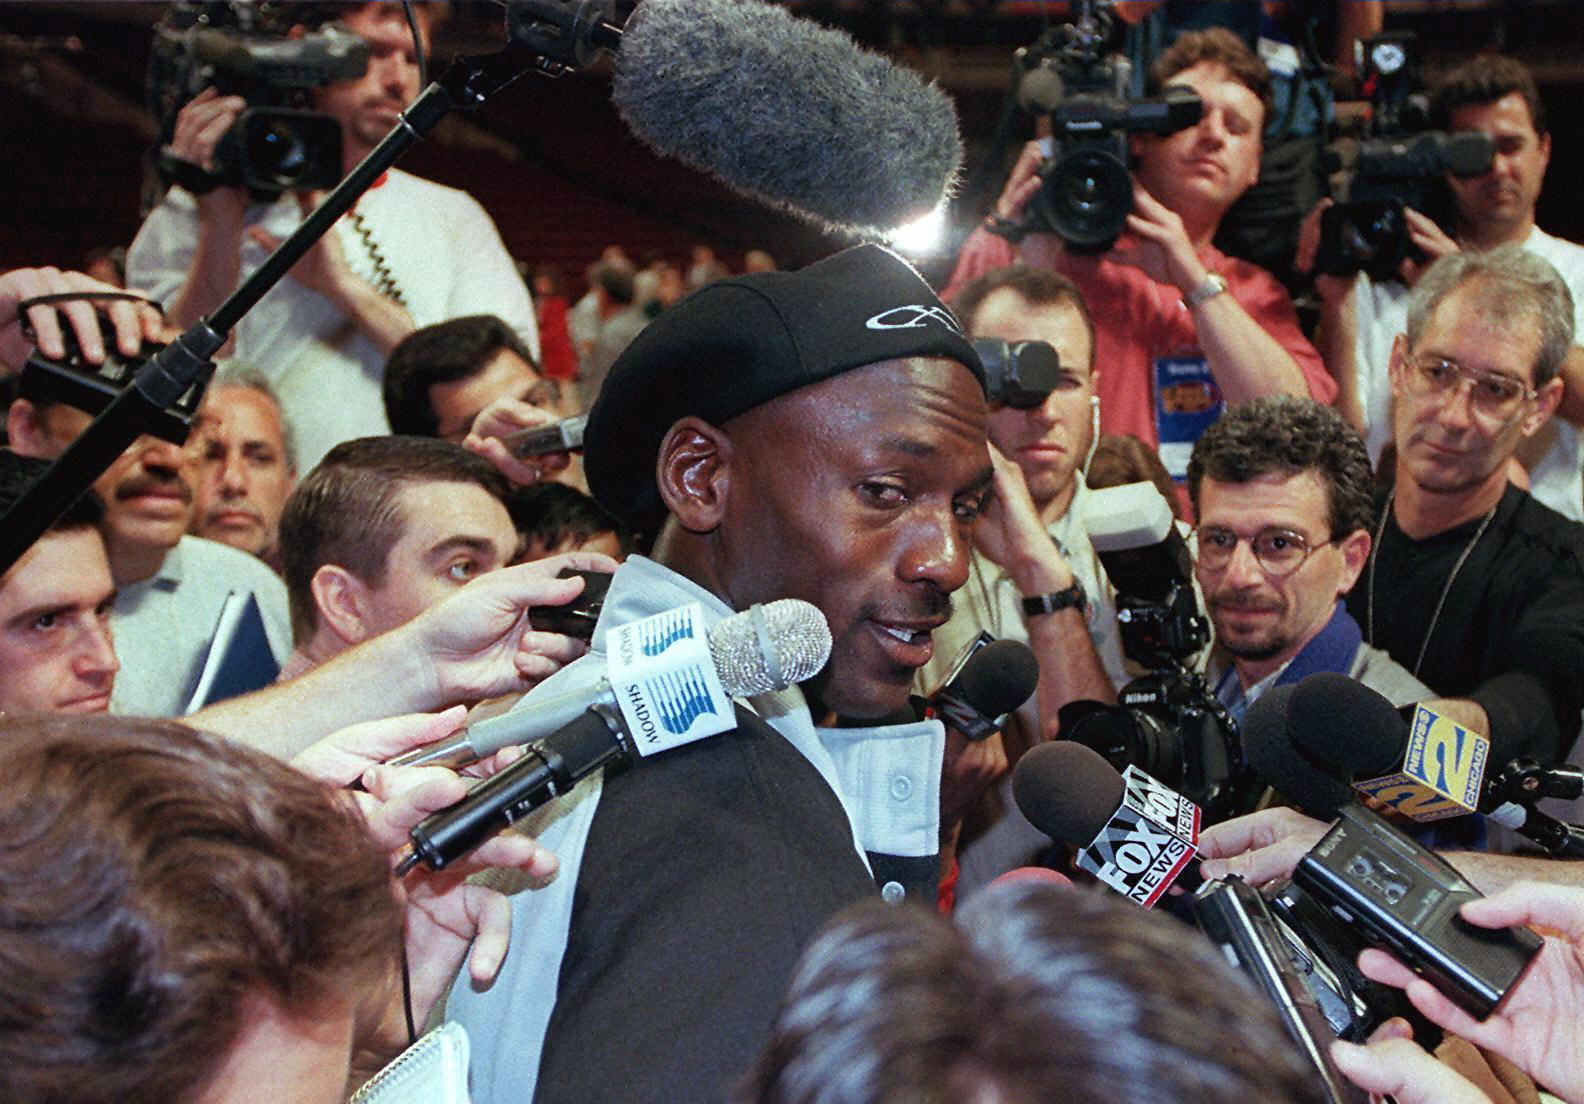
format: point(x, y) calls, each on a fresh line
point(1281, 488)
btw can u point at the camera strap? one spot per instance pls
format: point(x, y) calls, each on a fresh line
point(184, 174)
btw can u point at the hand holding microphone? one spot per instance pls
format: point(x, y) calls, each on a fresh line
point(669, 684)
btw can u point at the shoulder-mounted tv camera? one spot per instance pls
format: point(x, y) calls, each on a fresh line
point(278, 143)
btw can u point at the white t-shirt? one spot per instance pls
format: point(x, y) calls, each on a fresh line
point(440, 248)
point(1554, 456)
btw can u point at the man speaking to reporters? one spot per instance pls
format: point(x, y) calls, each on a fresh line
point(816, 435)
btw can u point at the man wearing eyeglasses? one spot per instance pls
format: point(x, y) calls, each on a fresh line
point(1470, 582)
point(1360, 318)
point(1281, 487)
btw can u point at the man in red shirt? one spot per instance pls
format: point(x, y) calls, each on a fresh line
point(1182, 329)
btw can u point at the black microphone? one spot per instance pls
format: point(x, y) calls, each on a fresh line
point(551, 767)
point(1316, 737)
point(992, 679)
point(1133, 834)
point(761, 649)
point(1275, 756)
point(787, 112)
point(991, 682)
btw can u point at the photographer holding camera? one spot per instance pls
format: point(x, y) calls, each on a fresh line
point(410, 252)
point(1182, 329)
point(1360, 318)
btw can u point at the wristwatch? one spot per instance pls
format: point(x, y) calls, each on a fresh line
point(1212, 285)
point(1056, 600)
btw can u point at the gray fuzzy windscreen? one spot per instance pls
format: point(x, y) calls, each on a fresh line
point(787, 112)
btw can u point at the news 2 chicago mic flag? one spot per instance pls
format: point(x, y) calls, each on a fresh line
point(736, 344)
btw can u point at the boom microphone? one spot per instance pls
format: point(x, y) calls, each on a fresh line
point(761, 649)
point(787, 112)
point(1134, 834)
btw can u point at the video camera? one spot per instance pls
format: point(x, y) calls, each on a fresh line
point(242, 49)
point(1167, 722)
point(1086, 191)
point(1366, 231)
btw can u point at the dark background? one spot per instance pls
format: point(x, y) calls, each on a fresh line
point(558, 171)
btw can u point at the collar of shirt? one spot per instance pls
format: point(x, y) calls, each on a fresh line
point(887, 778)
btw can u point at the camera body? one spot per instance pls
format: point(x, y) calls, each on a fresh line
point(1167, 722)
point(1397, 162)
point(277, 144)
point(1086, 190)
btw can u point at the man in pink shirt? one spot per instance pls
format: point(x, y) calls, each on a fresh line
point(1182, 329)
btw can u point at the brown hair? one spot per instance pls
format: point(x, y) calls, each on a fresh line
point(346, 511)
point(1038, 287)
point(1036, 987)
point(1287, 435)
point(1220, 46)
point(151, 877)
point(1484, 80)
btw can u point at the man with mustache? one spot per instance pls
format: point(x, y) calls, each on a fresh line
point(1470, 582)
point(820, 435)
point(1281, 487)
point(170, 586)
point(409, 253)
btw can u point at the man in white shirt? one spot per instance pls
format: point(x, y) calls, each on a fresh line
point(409, 253)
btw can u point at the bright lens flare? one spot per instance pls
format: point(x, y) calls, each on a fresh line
point(923, 236)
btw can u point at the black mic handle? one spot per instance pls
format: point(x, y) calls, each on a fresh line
point(1565, 841)
point(551, 767)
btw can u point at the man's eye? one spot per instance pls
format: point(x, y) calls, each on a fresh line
point(1499, 390)
point(1221, 541)
point(463, 570)
point(883, 494)
point(46, 621)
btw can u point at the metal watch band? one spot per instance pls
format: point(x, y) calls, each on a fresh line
point(1208, 288)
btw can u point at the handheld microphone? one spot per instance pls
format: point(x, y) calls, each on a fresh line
point(994, 678)
point(1429, 770)
point(1135, 835)
point(1341, 729)
point(787, 112)
point(761, 649)
point(652, 703)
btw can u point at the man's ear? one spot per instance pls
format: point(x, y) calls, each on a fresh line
point(1397, 366)
point(1545, 404)
point(694, 473)
point(1355, 549)
point(339, 599)
point(26, 431)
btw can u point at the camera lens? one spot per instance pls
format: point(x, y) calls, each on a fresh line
point(276, 152)
point(1086, 197)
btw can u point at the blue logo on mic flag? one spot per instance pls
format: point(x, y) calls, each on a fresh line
point(656, 634)
point(679, 700)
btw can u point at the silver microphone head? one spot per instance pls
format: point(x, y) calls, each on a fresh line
point(770, 647)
